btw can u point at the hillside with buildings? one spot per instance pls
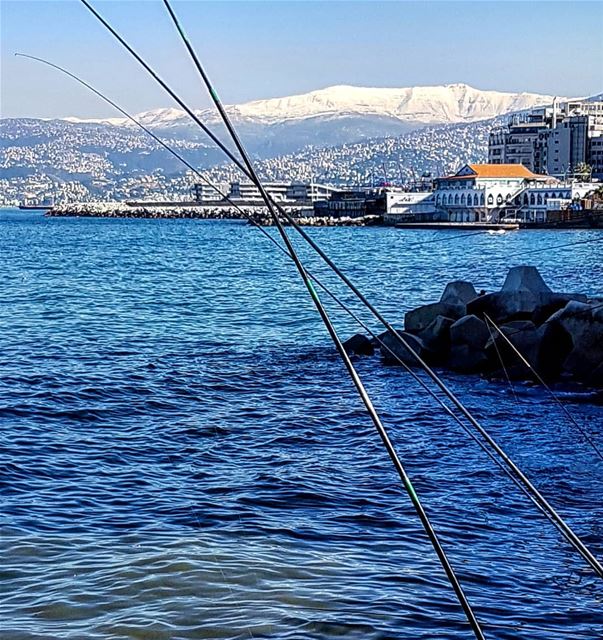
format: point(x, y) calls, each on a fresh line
point(74, 162)
point(60, 161)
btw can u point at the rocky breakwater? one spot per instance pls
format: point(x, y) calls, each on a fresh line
point(523, 329)
point(121, 210)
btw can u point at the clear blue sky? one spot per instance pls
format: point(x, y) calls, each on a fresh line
point(266, 49)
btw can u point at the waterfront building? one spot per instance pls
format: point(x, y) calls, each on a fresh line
point(408, 205)
point(351, 203)
point(559, 140)
point(482, 192)
point(537, 200)
point(248, 193)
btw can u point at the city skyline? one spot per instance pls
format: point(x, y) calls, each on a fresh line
point(317, 44)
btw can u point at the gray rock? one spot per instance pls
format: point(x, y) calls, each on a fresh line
point(506, 306)
point(459, 292)
point(584, 324)
point(545, 348)
point(465, 359)
point(436, 336)
point(524, 295)
point(504, 360)
point(550, 304)
point(468, 337)
point(398, 348)
point(359, 345)
point(419, 319)
point(471, 331)
point(525, 279)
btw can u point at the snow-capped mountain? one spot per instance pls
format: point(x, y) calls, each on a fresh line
point(340, 114)
point(448, 104)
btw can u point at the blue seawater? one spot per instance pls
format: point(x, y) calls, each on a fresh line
point(183, 455)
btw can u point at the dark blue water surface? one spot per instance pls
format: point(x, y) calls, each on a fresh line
point(183, 456)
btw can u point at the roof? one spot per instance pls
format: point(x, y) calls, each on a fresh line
point(494, 171)
point(502, 171)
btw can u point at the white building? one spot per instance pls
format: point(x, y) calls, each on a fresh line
point(537, 200)
point(401, 205)
point(482, 192)
point(557, 140)
point(248, 193)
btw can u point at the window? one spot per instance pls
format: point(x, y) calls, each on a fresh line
point(490, 199)
point(463, 199)
point(499, 199)
point(532, 199)
point(456, 199)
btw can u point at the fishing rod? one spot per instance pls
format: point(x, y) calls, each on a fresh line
point(567, 531)
point(428, 527)
point(552, 515)
point(385, 438)
point(335, 298)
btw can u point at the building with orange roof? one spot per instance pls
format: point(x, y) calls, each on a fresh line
point(483, 192)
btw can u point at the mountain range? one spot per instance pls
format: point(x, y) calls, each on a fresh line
point(339, 114)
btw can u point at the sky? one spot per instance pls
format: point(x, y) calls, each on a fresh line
point(254, 50)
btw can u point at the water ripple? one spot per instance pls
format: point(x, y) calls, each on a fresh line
point(183, 456)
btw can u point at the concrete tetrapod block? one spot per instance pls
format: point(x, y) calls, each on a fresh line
point(524, 295)
point(526, 279)
point(436, 336)
point(584, 324)
point(465, 359)
point(468, 338)
point(506, 306)
point(360, 345)
point(458, 292)
point(415, 343)
point(419, 319)
point(471, 331)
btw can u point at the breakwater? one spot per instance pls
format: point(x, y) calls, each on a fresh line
point(259, 215)
point(121, 210)
point(522, 332)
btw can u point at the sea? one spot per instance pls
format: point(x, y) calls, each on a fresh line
point(183, 455)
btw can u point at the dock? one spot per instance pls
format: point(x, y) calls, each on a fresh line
point(460, 226)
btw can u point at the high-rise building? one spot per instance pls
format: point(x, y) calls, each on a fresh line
point(559, 140)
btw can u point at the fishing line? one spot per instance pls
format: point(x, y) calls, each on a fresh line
point(337, 300)
point(553, 515)
point(502, 364)
point(557, 246)
point(544, 384)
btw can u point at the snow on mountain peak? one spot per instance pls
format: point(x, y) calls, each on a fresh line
point(427, 105)
point(443, 104)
